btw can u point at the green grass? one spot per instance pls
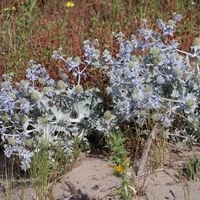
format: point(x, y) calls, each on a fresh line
point(39, 173)
point(34, 30)
point(42, 175)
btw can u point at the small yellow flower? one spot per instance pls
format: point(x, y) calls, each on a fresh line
point(119, 168)
point(127, 164)
point(13, 8)
point(9, 9)
point(69, 4)
point(6, 9)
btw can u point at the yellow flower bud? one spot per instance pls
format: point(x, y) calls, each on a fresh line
point(119, 169)
point(13, 8)
point(69, 4)
point(127, 164)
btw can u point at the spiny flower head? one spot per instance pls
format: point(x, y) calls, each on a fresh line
point(47, 89)
point(190, 101)
point(77, 59)
point(35, 96)
point(171, 22)
point(24, 83)
point(155, 51)
point(42, 120)
point(12, 95)
point(156, 117)
point(5, 84)
point(196, 42)
point(29, 143)
point(24, 119)
point(108, 115)
point(134, 58)
point(11, 141)
point(79, 89)
point(5, 117)
point(177, 70)
point(41, 80)
point(61, 85)
point(45, 143)
point(198, 79)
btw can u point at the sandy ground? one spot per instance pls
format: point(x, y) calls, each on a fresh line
point(93, 177)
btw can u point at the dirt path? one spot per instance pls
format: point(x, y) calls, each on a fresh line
point(94, 178)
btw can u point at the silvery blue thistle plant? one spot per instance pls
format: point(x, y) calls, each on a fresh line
point(160, 82)
point(32, 117)
point(91, 56)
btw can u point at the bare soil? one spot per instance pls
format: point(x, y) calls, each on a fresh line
point(93, 178)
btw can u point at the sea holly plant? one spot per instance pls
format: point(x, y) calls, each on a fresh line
point(160, 85)
point(91, 55)
point(39, 112)
point(151, 80)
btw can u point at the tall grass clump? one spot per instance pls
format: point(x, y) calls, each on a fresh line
point(40, 170)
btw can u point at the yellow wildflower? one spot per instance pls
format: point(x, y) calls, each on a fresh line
point(9, 9)
point(13, 8)
point(69, 4)
point(127, 164)
point(119, 168)
point(6, 9)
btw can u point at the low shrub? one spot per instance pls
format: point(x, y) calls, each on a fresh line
point(39, 112)
point(151, 81)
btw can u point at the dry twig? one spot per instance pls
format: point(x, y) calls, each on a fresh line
point(143, 160)
point(77, 193)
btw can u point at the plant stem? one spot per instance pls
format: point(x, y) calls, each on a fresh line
point(143, 160)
